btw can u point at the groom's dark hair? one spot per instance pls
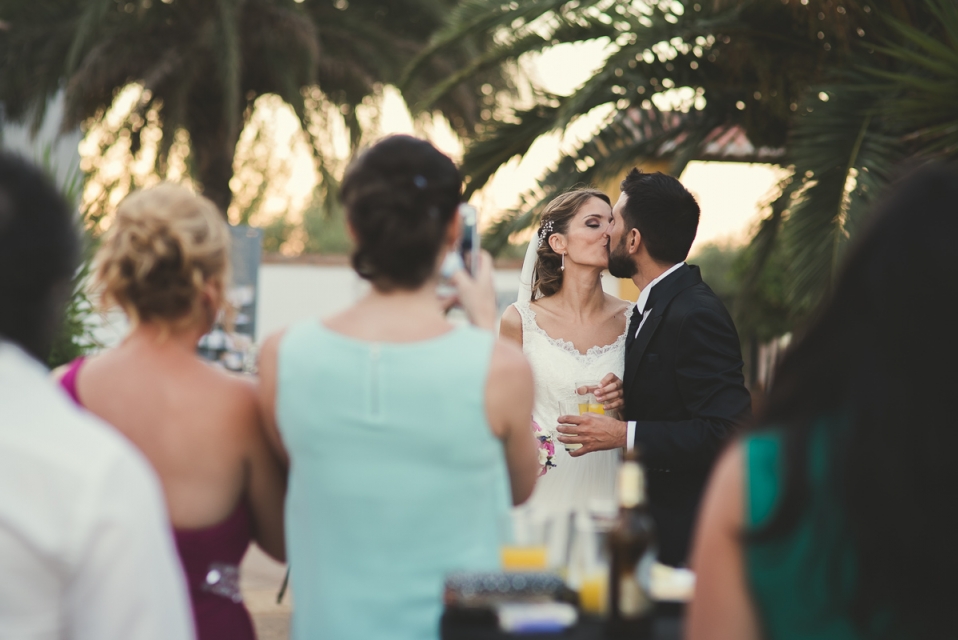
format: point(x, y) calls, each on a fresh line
point(663, 211)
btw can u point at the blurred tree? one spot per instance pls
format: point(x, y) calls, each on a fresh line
point(202, 64)
point(842, 92)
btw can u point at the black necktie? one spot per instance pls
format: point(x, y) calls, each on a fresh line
point(633, 327)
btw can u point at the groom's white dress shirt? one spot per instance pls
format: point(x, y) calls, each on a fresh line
point(640, 308)
point(86, 549)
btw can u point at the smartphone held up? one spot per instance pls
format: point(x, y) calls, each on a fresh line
point(465, 254)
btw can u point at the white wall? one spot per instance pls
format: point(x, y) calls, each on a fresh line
point(292, 292)
point(289, 293)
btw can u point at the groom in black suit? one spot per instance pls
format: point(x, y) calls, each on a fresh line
point(683, 386)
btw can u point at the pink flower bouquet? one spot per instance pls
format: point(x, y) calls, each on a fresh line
point(547, 448)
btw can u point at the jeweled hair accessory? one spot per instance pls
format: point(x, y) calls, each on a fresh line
point(545, 230)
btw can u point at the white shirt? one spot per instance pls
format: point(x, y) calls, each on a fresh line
point(640, 308)
point(86, 548)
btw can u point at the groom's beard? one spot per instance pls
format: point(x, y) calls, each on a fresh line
point(620, 263)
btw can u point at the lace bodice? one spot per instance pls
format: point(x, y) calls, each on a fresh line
point(557, 365)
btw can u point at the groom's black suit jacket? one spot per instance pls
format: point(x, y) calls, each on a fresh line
point(683, 386)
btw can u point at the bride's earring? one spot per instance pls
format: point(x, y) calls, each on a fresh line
point(562, 266)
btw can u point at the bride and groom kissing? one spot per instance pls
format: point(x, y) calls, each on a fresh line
point(670, 365)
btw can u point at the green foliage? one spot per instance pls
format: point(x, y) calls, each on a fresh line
point(888, 107)
point(745, 64)
point(325, 232)
point(843, 94)
point(766, 313)
point(202, 64)
point(319, 232)
point(717, 263)
point(74, 337)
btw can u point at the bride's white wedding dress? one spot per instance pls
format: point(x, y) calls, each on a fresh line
point(586, 482)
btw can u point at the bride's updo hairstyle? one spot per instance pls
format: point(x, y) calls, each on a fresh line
point(400, 196)
point(547, 274)
point(163, 247)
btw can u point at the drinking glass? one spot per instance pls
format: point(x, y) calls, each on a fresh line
point(588, 569)
point(570, 407)
point(585, 390)
point(534, 541)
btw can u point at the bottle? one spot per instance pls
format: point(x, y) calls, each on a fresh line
point(630, 605)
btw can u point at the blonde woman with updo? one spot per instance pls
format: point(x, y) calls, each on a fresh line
point(572, 332)
point(164, 261)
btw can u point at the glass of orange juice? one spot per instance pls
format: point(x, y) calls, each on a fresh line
point(588, 403)
point(535, 540)
point(588, 571)
point(525, 541)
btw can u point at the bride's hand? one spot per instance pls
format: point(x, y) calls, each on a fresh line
point(609, 393)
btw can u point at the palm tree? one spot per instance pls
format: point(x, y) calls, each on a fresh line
point(886, 107)
point(730, 56)
point(203, 63)
point(823, 87)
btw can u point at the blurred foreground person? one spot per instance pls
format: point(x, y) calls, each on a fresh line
point(85, 546)
point(164, 262)
point(834, 520)
point(408, 437)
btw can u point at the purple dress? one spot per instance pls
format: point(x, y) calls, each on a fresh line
point(210, 558)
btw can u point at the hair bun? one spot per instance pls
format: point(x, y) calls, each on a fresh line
point(164, 245)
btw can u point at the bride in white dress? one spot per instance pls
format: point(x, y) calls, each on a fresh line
point(571, 331)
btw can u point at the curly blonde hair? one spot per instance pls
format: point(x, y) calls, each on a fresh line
point(164, 246)
point(547, 273)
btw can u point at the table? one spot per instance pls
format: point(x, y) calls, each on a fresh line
point(667, 626)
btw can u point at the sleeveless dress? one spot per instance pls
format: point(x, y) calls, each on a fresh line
point(210, 558)
point(395, 478)
point(802, 583)
point(575, 484)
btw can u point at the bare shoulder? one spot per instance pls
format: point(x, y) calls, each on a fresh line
point(509, 371)
point(508, 360)
point(726, 488)
point(617, 305)
point(237, 392)
point(510, 325)
point(509, 386)
point(270, 347)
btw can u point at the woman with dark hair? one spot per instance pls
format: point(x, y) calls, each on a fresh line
point(408, 437)
point(573, 333)
point(830, 521)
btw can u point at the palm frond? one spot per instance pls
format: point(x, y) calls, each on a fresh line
point(834, 146)
point(626, 140)
point(88, 25)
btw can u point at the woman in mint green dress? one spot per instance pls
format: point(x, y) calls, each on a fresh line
point(408, 437)
point(835, 520)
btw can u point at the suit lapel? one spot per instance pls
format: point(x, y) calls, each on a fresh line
point(659, 299)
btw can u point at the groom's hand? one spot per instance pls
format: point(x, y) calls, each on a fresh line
point(593, 431)
point(609, 393)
